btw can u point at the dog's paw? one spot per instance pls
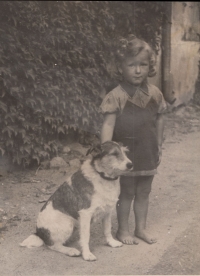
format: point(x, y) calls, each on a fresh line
point(73, 252)
point(114, 243)
point(88, 256)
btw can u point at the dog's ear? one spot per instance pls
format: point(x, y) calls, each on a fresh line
point(95, 149)
point(90, 150)
point(120, 144)
point(107, 146)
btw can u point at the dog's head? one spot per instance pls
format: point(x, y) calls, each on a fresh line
point(112, 158)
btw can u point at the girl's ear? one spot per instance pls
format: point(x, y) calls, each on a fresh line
point(119, 69)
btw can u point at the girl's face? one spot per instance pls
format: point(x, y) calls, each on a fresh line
point(135, 69)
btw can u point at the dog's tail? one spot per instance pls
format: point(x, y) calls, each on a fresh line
point(32, 241)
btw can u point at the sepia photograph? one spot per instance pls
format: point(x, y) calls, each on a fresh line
point(100, 138)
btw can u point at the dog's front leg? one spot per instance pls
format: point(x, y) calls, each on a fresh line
point(85, 219)
point(107, 231)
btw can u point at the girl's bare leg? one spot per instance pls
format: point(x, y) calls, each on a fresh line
point(123, 210)
point(141, 203)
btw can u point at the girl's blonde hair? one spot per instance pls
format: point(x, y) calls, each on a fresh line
point(131, 47)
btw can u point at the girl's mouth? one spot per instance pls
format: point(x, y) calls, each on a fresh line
point(137, 78)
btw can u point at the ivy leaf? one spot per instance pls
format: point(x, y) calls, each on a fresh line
point(35, 157)
point(61, 130)
point(2, 151)
point(3, 106)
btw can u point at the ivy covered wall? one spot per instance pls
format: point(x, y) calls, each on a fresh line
point(54, 58)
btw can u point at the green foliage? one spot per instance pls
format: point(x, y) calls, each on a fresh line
point(54, 58)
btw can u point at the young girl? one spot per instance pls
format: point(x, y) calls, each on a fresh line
point(133, 115)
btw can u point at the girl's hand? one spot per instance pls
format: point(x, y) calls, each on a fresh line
point(159, 155)
point(160, 129)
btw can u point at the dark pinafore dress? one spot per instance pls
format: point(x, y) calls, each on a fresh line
point(135, 127)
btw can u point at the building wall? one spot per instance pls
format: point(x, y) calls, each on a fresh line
point(184, 49)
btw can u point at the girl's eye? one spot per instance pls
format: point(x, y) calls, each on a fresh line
point(142, 64)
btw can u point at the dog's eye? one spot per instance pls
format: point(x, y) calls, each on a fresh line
point(115, 153)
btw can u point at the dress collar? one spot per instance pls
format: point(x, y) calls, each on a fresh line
point(139, 96)
point(131, 89)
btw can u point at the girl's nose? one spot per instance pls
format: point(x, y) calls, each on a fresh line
point(137, 69)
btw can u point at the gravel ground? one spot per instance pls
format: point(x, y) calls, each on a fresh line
point(173, 217)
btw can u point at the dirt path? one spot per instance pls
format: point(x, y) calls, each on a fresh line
point(173, 218)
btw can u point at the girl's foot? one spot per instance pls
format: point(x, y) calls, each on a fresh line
point(125, 237)
point(145, 237)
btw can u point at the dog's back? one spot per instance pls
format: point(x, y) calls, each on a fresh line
point(73, 195)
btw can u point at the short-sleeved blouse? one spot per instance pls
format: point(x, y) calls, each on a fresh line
point(135, 124)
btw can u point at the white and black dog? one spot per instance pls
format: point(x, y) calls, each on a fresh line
point(90, 193)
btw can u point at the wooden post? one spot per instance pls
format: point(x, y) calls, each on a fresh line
point(167, 77)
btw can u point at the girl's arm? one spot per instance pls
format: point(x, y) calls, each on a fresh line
point(160, 123)
point(108, 127)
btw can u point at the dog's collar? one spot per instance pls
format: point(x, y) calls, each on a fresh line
point(102, 174)
point(106, 177)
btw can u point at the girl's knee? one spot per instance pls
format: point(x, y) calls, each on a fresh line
point(144, 187)
point(143, 192)
point(127, 195)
